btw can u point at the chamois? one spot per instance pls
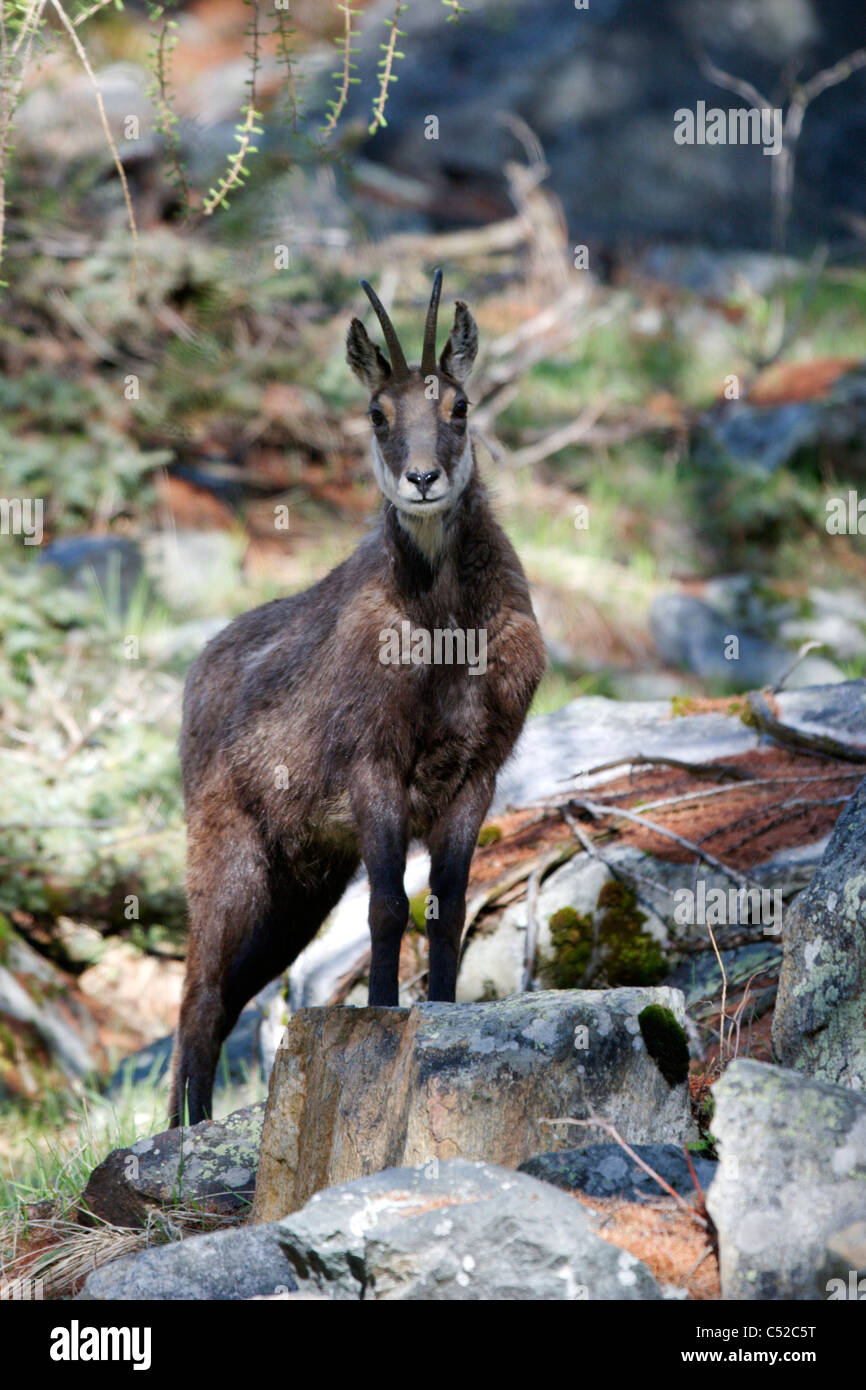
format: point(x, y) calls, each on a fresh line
point(305, 751)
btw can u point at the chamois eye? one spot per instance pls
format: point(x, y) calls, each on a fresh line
point(458, 411)
point(377, 418)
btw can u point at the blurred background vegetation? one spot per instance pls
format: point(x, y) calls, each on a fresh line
point(670, 388)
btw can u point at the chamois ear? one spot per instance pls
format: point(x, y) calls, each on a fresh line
point(459, 352)
point(370, 365)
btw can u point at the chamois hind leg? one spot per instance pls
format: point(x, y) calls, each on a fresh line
point(451, 844)
point(248, 938)
point(231, 943)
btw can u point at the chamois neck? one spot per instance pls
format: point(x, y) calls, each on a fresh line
point(420, 547)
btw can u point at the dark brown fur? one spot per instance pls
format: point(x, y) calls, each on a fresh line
point(373, 755)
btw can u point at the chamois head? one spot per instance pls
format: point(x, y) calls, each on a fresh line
point(422, 455)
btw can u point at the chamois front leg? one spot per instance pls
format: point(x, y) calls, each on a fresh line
point(451, 844)
point(383, 836)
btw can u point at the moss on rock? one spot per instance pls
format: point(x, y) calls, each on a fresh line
point(571, 937)
point(489, 835)
point(666, 1042)
point(631, 956)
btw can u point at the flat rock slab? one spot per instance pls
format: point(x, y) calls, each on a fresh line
point(237, 1264)
point(606, 1170)
point(354, 1091)
point(595, 730)
point(212, 1163)
point(791, 1181)
point(456, 1230)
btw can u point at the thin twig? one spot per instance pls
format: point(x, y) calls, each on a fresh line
point(599, 810)
point(595, 1121)
point(714, 770)
point(118, 163)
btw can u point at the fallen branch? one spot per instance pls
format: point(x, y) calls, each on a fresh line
point(575, 432)
point(599, 811)
point(814, 745)
point(713, 770)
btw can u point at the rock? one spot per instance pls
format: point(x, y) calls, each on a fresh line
point(236, 1264)
point(837, 620)
point(700, 978)
point(762, 437)
point(492, 962)
point(692, 635)
point(212, 1163)
point(114, 561)
point(605, 1170)
point(456, 1230)
point(587, 731)
point(595, 730)
point(189, 567)
point(43, 1009)
point(819, 1025)
point(61, 119)
point(792, 1174)
point(357, 1090)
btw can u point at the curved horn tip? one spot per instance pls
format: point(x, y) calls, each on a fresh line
point(399, 367)
point(428, 355)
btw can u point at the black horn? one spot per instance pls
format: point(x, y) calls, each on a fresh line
point(428, 354)
point(399, 366)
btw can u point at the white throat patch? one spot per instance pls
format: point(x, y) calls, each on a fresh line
point(425, 523)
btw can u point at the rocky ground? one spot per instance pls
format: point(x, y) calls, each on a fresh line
point(604, 1115)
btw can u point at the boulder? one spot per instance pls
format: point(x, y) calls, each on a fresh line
point(605, 1170)
point(456, 1230)
point(594, 730)
point(819, 1025)
point(355, 1090)
point(691, 634)
point(42, 1008)
point(212, 1164)
point(791, 1178)
point(244, 1263)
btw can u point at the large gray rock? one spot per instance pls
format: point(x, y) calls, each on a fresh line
point(236, 1264)
point(606, 1170)
point(820, 1021)
point(355, 1090)
point(692, 634)
point(594, 729)
point(456, 1230)
point(212, 1163)
point(791, 1178)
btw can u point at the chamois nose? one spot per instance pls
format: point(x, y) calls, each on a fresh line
point(424, 481)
